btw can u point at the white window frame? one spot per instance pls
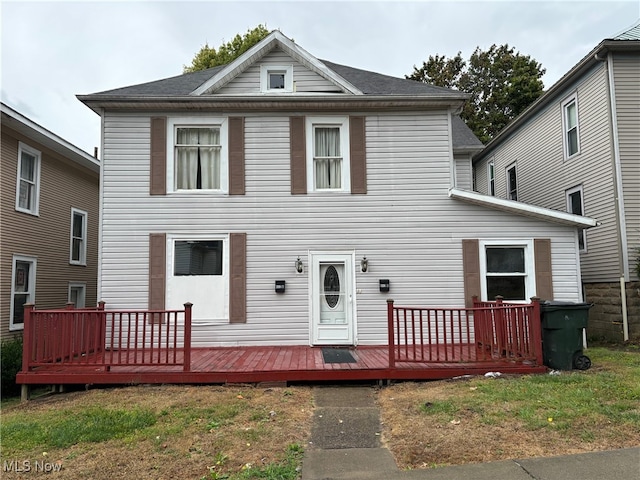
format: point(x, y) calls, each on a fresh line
point(266, 70)
point(32, 286)
point(24, 148)
point(80, 287)
point(581, 232)
point(173, 123)
point(529, 274)
point(573, 99)
point(341, 122)
point(83, 247)
point(491, 178)
point(508, 181)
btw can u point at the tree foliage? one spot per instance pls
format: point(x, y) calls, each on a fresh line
point(501, 81)
point(209, 57)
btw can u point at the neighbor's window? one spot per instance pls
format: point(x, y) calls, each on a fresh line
point(198, 257)
point(575, 205)
point(492, 178)
point(77, 294)
point(23, 289)
point(507, 270)
point(512, 182)
point(197, 158)
point(28, 179)
point(276, 78)
point(329, 146)
point(570, 125)
point(78, 247)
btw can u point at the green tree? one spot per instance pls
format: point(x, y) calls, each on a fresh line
point(209, 57)
point(501, 81)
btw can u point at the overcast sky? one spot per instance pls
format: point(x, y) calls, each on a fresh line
point(53, 51)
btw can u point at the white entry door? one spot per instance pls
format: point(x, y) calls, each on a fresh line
point(332, 299)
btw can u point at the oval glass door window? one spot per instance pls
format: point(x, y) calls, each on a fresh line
point(331, 286)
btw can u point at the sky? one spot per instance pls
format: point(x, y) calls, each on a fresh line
point(55, 50)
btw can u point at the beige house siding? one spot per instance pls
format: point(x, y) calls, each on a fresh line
point(63, 186)
point(626, 69)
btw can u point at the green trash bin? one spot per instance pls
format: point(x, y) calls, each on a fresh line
point(562, 324)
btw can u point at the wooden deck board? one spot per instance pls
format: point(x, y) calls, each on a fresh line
point(272, 363)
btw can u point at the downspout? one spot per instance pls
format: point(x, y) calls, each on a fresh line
point(618, 191)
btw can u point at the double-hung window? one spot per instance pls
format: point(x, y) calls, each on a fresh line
point(199, 159)
point(507, 270)
point(512, 182)
point(23, 288)
point(570, 126)
point(328, 142)
point(575, 205)
point(28, 179)
point(78, 244)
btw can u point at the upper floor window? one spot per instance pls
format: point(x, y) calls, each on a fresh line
point(23, 288)
point(199, 160)
point(28, 179)
point(328, 154)
point(507, 270)
point(512, 182)
point(575, 205)
point(570, 126)
point(78, 247)
point(491, 174)
point(276, 78)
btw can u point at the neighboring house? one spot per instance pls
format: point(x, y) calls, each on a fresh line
point(577, 149)
point(288, 198)
point(49, 215)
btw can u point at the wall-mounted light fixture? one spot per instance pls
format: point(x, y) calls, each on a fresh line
point(280, 286)
point(385, 285)
point(299, 265)
point(364, 264)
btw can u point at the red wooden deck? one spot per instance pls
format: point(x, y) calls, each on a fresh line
point(271, 363)
point(98, 346)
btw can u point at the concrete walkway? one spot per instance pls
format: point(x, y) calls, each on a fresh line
point(345, 445)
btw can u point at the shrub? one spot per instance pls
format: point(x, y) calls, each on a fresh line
point(10, 364)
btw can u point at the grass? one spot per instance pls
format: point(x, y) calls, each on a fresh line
point(242, 432)
point(204, 432)
point(482, 419)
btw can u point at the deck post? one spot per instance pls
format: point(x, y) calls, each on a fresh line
point(27, 336)
point(187, 336)
point(535, 324)
point(390, 326)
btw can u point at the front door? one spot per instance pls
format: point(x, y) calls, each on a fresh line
point(332, 299)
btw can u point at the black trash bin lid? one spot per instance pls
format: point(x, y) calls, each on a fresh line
point(549, 305)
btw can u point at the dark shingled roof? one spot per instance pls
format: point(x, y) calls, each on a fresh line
point(370, 83)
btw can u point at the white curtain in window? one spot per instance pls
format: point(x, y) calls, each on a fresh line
point(328, 161)
point(198, 154)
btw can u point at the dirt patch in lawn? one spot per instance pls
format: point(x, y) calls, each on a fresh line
point(199, 432)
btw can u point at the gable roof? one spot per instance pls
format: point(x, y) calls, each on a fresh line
point(626, 41)
point(30, 129)
point(351, 81)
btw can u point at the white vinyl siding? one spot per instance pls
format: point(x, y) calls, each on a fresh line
point(463, 173)
point(408, 228)
point(544, 175)
point(303, 79)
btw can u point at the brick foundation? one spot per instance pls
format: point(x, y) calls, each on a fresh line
point(605, 317)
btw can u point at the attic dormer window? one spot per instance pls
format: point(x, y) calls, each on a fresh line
point(276, 78)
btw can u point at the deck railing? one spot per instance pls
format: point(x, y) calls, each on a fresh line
point(96, 337)
point(487, 332)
